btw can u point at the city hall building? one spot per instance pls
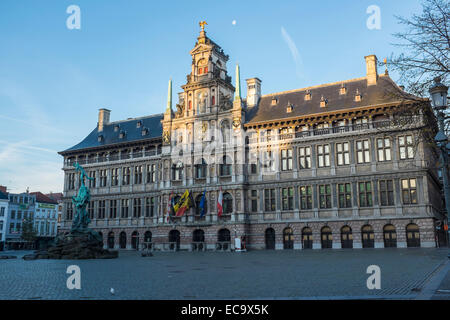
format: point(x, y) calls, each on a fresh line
point(337, 165)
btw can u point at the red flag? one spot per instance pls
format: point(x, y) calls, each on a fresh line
point(219, 203)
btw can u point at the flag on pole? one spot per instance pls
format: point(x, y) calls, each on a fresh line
point(219, 203)
point(202, 204)
point(183, 204)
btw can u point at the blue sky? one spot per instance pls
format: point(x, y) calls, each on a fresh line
point(53, 80)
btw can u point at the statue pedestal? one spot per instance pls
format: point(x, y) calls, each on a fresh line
point(75, 245)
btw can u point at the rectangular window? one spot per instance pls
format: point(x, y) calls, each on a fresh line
point(115, 177)
point(101, 209)
point(103, 177)
point(305, 197)
point(342, 154)
point(286, 159)
point(137, 207)
point(409, 191)
point(126, 171)
point(150, 206)
point(2, 212)
point(345, 195)
point(304, 157)
point(287, 195)
point(90, 209)
point(71, 181)
point(268, 162)
point(93, 180)
point(323, 155)
point(253, 200)
point(325, 196)
point(112, 209)
point(138, 174)
point(406, 147)
point(384, 149)
point(269, 199)
point(13, 214)
point(124, 209)
point(69, 214)
point(151, 173)
point(386, 192)
point(362, 151)
point(365, 194)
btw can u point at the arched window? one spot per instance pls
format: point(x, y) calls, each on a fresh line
point(135, 240)
point(200, 169)
point(198, 210)
point(123, 240)
point(227, 203)
point(288, 238)
point(390, 236)
point(198, 236)
point(148, 236)
point(412, 235)
point(177, 171)
point(346, 237)
point(101, 236)
point(270, 238)
point(111, 240)
point(213, 100)
point(327, 238)
point(368, 237)
point(174, 239)
point(224, 235)
point(225, 166)
point(200, 70)
point(307, 238)
point(225, 130)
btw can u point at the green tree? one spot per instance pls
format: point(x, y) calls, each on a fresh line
point(28, 231)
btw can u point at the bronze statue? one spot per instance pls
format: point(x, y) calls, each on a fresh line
point(80, 201)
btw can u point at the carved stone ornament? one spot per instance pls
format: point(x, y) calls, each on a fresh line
point(204, 127)
point(166, 137)
point(236, 123)
point(180, 111)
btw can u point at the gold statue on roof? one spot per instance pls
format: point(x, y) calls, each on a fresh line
point(202, 25)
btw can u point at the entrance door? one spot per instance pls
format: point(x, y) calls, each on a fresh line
point(390, 236)
point(270, 239)
point(288, 238)
point(412, 235)
point(327, 238)
point(307, 238)
point(111, 240)
point(368, 237)
point(135, 240)
point(123, 240)
point(174, 238)
point(346, 237)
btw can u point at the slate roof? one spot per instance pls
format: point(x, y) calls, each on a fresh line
point(42, 198)
point(130, 129)
point(384, 91)
point(3, 195)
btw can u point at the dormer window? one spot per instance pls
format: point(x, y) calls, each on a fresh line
point(274, 101)
point(308, 95)
point(122, 134)
point(139, 124)
point(343, 89)
point(100, 138)
point(144, 132)
point(323, 102)
point(116, 128)
point(358, 96)
point(289, 108)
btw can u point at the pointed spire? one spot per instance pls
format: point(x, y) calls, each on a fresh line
point(169, 96)
point(237, 93)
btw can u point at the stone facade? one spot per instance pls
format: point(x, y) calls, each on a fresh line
point(333, 155)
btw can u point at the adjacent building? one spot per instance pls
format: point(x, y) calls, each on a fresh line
point(338, 165)
point(58, 196)
point(21, 206)
point(4, 204)
point(45, 219)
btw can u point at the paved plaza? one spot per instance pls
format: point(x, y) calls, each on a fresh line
point(288, 274)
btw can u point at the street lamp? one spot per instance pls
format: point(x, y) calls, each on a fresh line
point(438, 92)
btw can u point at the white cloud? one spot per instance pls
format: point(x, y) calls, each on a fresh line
point(294, 51)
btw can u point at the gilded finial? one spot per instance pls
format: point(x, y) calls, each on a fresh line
point(202, 25)
point(385, 63)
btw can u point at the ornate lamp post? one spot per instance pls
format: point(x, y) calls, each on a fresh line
point(438, 93)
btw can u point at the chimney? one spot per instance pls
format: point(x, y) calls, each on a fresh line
point(371, 69)
point(3, 189)
point(103, 118)
point(253, 91)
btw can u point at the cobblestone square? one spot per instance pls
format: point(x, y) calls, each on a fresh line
point(284, 274)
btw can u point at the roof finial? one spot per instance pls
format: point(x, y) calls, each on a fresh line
point(385, 63)
point(202, 25)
